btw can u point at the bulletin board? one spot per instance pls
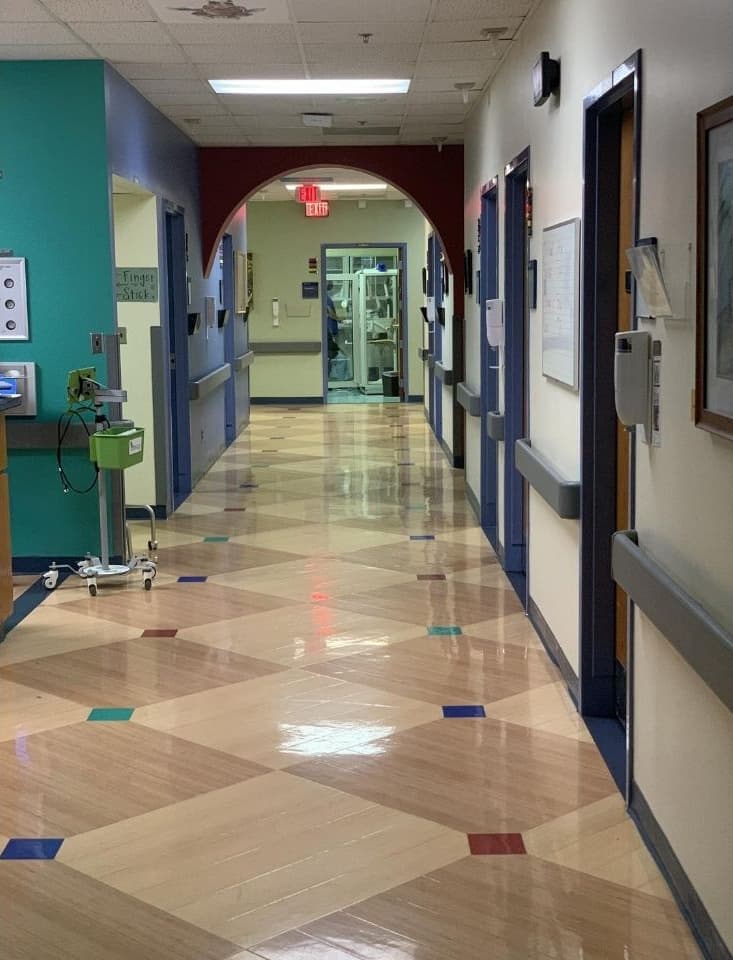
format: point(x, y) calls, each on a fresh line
point(561, 302)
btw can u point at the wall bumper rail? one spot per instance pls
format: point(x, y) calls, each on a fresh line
point(562, 494)
point(203, 386)
point(445, 376)
point(470, 401)
point(243, 361)
point(422, 354)
point(705, 644)
point(495, 425)
point(35, 435)
point(285, 347)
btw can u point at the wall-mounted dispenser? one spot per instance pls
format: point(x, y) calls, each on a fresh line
point(13, 299)
point(19, 379)
point(495, 323)
point(275, 312)
point(633, 380)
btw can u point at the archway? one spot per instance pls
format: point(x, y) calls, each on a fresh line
point(432, 179)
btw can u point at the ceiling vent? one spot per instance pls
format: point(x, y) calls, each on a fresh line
point(364, 132)
point(317, 119)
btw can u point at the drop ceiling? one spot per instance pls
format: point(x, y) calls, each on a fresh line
point(169, 49)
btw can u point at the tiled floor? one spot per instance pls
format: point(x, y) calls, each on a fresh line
point(331, 742)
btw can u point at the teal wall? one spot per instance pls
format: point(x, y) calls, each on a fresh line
point(55, 211)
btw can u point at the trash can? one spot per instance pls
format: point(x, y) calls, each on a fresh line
point(391, 383)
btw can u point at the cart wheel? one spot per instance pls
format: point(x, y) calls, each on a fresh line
point(152, 545)
point(49, 583)
point(92, 589)
point(148, 583)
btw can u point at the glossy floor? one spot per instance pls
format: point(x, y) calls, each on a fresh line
point(338, 739)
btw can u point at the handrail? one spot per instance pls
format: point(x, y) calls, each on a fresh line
point(470, 401)
point(702, 642)
point(285, 346)
point(243, 361)
point(203, 386)
point(562, 494)
point(495, 425)
point(443, 374)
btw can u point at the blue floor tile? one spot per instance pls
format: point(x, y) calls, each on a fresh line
point(192, 579)
point(469, 710)
point(30, 849)
point(422, 536)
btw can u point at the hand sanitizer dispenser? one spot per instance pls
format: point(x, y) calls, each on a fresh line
point(495, 323)
point(632, 379)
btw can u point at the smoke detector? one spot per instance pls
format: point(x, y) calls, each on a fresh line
point(464, 89)
point(365, 37)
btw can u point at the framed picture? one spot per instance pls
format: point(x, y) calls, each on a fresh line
point(714, 368)
point(243, 282)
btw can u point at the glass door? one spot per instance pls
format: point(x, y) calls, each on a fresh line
point(342, 359)
point(378, 315)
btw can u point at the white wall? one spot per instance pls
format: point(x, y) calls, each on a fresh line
point(136, 245)
point(683, 739)
point(282, 240)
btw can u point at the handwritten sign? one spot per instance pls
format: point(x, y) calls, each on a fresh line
point(560, 302)
point(137, 284)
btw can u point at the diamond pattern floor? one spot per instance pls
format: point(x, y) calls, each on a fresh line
point(289, 754)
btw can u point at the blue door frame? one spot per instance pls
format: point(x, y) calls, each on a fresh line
point(430, 286)
point(489, 290)
point(401, 249)
point(177, 317)
point(227, 302)
point(516, 412)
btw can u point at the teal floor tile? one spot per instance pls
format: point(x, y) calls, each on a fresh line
point(111, 713)
point(216, 539)
point(444, 631)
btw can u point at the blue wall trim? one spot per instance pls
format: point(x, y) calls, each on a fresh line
point(489, 285)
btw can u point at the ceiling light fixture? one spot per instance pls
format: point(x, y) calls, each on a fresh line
point(288, 88)
point(343, 187)
point(464, 88)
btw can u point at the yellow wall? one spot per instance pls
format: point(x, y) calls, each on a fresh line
point(136, 245)
point(282, 240)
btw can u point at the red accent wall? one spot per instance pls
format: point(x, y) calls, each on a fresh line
point(433, 180)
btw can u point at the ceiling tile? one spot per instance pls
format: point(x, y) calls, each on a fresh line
point(195, 110)
point(280, 140)
point(353, 10)
point(178, 85)
point(452, 108)
point(402, 71)
point(22, 10)
point(96, 10)
point(213, 123)
point(163, 100)
point(139, 52)
point(450, 95)
point(463, 50)
point(35, 33)
point(197, 11)
point(460, 70)
point(480, 9)
point(255, 106)
point(355, 141)
point(214, 71)
point(367, 54)
point(157, 71)
point(451, 30)
point(247, 33)
point(128, 32)
point(39, 51)
point(436, 85)
point(258, 53)
point(328, 32)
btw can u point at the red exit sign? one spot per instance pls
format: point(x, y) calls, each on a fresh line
point(317, 209)
point(308, 193)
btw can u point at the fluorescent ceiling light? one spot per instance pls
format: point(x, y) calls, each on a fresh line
point(342, 187)
point(296, 87)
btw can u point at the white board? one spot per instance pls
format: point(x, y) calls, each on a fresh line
point(561, 302)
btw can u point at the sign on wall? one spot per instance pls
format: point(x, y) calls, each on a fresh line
point(136, 284)
point(319, 209)
point(561, 302)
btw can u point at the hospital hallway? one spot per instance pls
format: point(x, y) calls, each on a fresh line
point(329, 732)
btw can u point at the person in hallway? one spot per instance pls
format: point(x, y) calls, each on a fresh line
point(332, 324)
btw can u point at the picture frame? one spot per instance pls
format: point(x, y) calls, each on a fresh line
point(714, 320)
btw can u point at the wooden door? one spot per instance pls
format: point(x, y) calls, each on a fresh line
point(624, 322)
